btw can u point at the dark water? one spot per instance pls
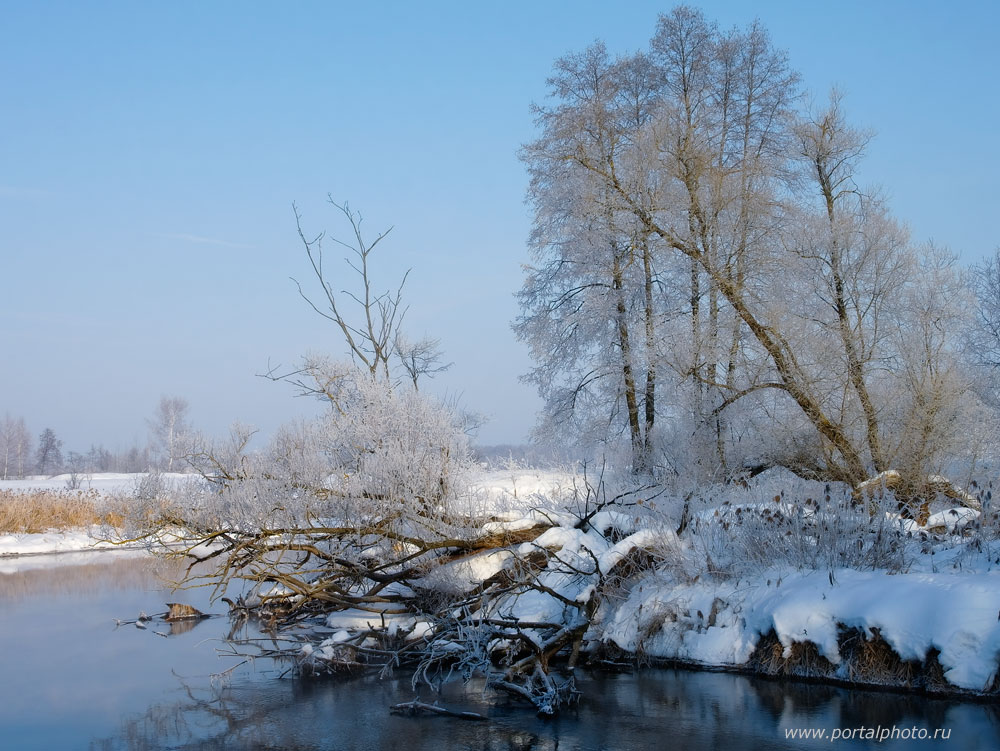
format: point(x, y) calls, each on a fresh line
point(70, 680)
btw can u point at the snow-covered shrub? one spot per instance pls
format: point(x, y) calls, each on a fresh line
point(393, 444)
point(371, 482)
point(376, 449)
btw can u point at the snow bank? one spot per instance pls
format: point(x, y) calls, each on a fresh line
point(52, 542)
point(721, 623)
point(467, 573)
point(690, 612)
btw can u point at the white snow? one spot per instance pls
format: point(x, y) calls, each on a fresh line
point(954, 613)
point(949, 603)
point(646, 539)
point(524, 484)
point(53, 542)
point(467, 573)
point(105, 483)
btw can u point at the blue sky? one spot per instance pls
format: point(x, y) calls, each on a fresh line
point(150, 154)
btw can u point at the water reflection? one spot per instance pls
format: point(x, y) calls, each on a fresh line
point(68, 674)
point(73, 682)
point(651, 709)
point(80, 574)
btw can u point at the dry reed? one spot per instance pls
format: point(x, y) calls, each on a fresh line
point(46, 510)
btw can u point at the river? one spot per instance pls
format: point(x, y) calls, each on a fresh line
point(71, 679)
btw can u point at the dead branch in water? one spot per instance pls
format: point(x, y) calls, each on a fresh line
point(412, 708)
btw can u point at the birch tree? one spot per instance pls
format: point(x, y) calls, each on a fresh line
point(15, 446)
point(169, 427)
point(744, 219)
point(688, 131)
point(590, 307)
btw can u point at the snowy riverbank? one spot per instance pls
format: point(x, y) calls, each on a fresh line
point(500, 489)
point(947, 618)
point(41, 543)
point(93, 489)
point(796, 585)
point(919, 609)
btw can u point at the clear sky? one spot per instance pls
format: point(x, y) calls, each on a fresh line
point(150, 154)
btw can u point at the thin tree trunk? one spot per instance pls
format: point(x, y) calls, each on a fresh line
point(631, 402)
point(650, 396)
point(855, 368)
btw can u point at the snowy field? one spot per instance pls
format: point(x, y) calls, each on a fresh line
point(104, 483)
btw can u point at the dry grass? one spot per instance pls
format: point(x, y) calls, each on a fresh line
point(45, 510)
point(867, 659)
point(805, 661)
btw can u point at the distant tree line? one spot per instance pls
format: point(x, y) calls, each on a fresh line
point(22, 455)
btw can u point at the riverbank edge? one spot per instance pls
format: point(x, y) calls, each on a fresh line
point(951, 693)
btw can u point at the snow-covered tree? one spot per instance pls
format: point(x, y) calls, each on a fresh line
point(708, 270)
point(375, 477)
point(984, 337)
point(421, 358)
point(168, 428)
point(612, 310)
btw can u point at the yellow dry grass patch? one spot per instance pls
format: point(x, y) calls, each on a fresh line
point(45, 510)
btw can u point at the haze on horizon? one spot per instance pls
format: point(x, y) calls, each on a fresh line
point(149, 158)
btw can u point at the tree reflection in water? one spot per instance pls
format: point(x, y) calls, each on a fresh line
point(89, 675)
point(641, 710)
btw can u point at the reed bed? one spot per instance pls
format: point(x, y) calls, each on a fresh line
point(53, 510)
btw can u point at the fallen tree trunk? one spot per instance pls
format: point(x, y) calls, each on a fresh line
point(915, 496)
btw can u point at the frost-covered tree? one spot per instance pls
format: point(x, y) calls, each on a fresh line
point(688, 130)
point(422, 358)
point(984, 336)
point(338, 508)
point(695, 233)
point(589, 302)
point(168, 428)
point(390, 450)
point(15, 446)
point(99, 459)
